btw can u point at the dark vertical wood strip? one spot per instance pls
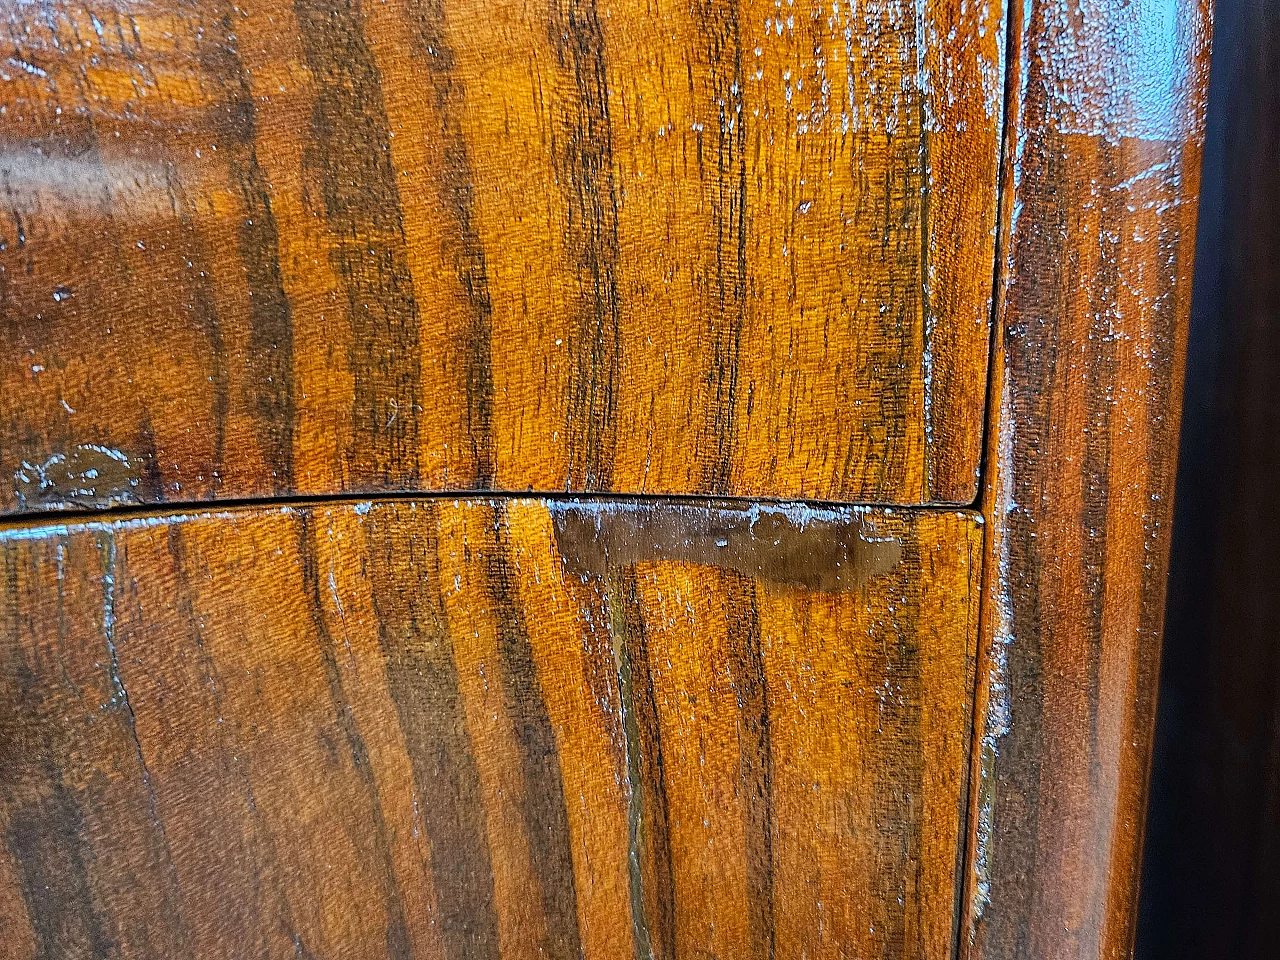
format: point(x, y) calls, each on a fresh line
point(584, 158)
point(720, 33)
point(755, 764)
point(205, 314)
point(271, 330)
point(659, 894)
point(271, 322)
point(350, 157)
point(423, 680)
point(637, 795)
point(151, 480)
point(542, 803)
point(254, 846)
point(48, 843)
point(456, 184)
point(397, 946)
point(45, 835)
point(270, 358)
point(900, 318)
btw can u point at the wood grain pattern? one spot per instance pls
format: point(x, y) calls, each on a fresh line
point(724, 247)
point(1107, 119)
point(478, 729)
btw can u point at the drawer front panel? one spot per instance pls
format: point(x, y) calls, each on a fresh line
point(480, 729)
point(727, 248)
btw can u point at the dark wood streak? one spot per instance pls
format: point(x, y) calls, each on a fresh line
point(720, 32)
point(422, 676)
point(49, 843)
point(749, 678)
point(46, 838)
point(1086, 390)
point(899, 249)
point(457, 189)
point(653, 845)
point(258, 847)
point(205, 315)
point(543, 801)
point(397, 943)
point(271, 327)
point(271, 340)
point(350, 156)
point(113, 585)
point(270, 359)
point(151, 479)
point(585, 162)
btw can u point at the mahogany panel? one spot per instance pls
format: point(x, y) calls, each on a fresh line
point(1106, 119)
point(478, 728)
point(731, 247)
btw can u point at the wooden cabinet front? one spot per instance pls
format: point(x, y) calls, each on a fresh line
point(512, 728)
point(524, 478)
point(541, 245)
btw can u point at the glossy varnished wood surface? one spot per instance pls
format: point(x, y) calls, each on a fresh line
point(727, 247)
point(1103, 171)
point(479, 729)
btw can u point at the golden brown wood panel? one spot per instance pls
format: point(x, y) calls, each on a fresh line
point(735, 247)
point(481, 729)
point(1106, 129)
